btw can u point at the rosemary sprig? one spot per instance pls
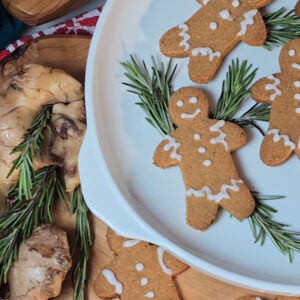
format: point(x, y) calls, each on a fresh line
point(17, 224)
point(29, 148)
point(154, 91)
point(263, 226)
point(235, 91)
point(154, 102)
point(82, 244)
point(282, 27)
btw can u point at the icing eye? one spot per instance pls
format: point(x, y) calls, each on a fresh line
point(197, 137)
point(179, 103)
point(235, 3)
point(201, 150)
point(213, 25)
point(207, 163)
point(193, 100)
point(292, 52)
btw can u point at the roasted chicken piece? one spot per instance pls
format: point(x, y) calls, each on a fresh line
point(69, 125)
point(43, 262)
point(32, 87)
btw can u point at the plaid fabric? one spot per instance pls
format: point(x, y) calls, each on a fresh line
point(83, 24)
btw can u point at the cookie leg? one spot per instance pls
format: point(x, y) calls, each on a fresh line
point(203, 64)
point(200, 212)
point(275, 148)
point(175, 42)
point(241, 203)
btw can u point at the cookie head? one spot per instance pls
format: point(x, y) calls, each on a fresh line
point(290, 57)
point(188, 105)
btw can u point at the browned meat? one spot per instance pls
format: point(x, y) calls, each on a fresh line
point(32, 87)
point(44, 260)
point(69, 125)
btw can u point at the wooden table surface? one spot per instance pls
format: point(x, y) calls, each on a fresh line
point(191, 284)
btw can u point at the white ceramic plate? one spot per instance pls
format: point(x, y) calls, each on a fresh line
point(138, 200)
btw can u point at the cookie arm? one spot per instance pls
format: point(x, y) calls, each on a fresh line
point(266, 89)
point(166, 155)
point(235, 136)
point(174, 264)
point(176, 42)
point(103, 288)
point(256, 34)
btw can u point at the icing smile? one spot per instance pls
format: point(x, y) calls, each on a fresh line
point(296, 66)
point(191, 116)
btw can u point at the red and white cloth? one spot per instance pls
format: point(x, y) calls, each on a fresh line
point(83, 24)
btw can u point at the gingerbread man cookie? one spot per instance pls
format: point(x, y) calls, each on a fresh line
point(282, 91)
point(138, 271)
point(202, 148)
point(212, 32)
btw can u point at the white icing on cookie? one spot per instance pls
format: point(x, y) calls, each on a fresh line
point(193, 100)
point(213, 25)
point(191, 116)
point(223, 194)
point(222, 135)
point(297, 83)
point(204, 51)
point(130, 243)
point(297, 96)
point(139, 267)
point(160, 255)
point(296, 66)
point(179, 103)
point(197, 137)
point(172, 144)
point(235, 3)
point(274, 87)
point(258, 298)
point(205, 2)
point(298, 146)
point(248, 20)
point(144, 281)
point(150, 295)
point(225, 15)
point(201, 150)
point(277, 137)
point(111, 278)
point(292, 52)
point(297, 110)
point(186, 37)
point(207, 163)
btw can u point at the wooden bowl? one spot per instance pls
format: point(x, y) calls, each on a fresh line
point(35, 12)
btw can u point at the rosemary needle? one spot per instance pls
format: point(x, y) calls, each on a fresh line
point(154, 91)
point(29, 148)
point(263, 225)
point(282, 27)
point(83, 242)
